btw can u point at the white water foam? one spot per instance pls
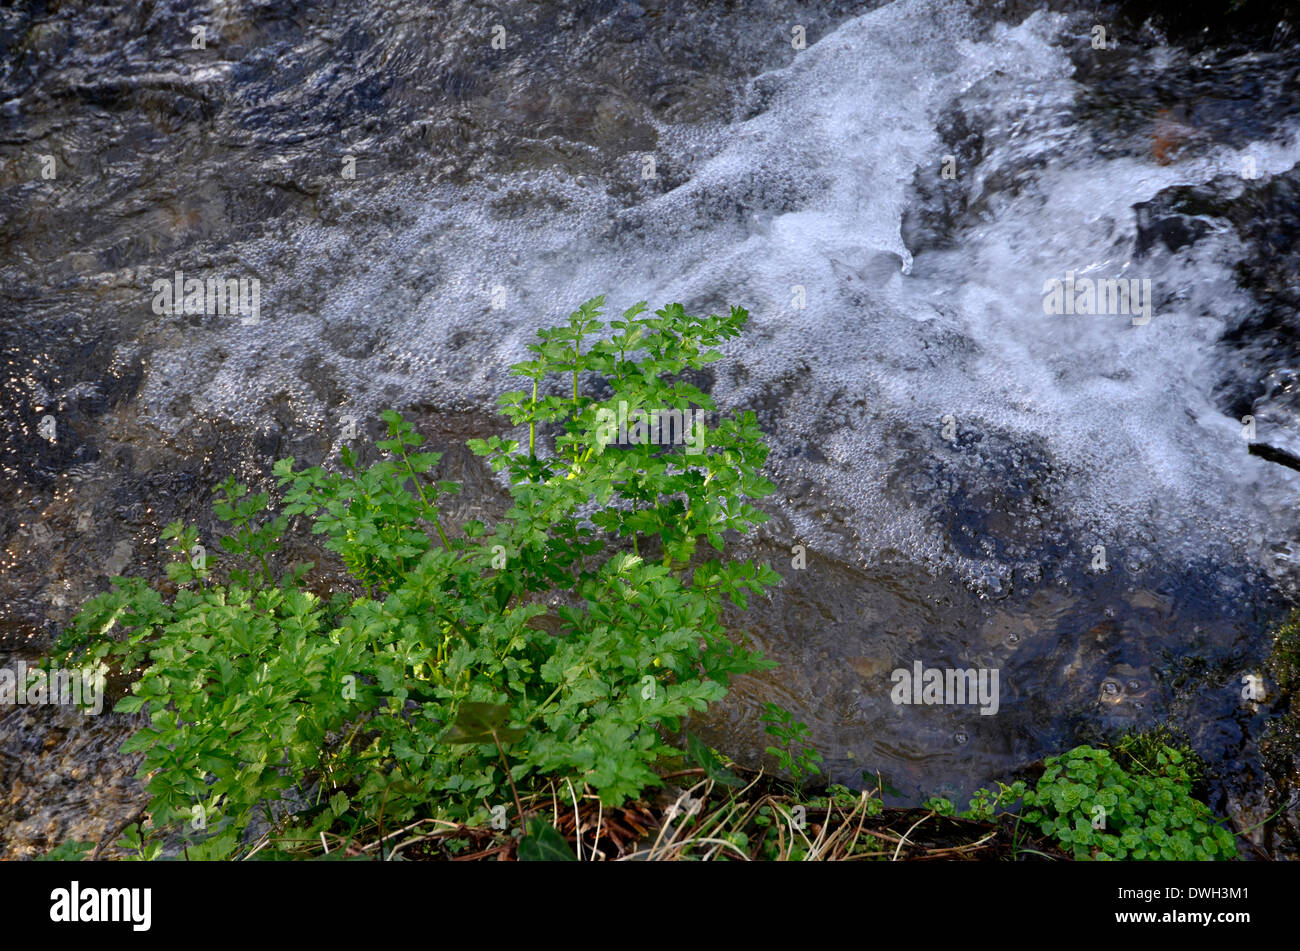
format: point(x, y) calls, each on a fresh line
point(810, 191)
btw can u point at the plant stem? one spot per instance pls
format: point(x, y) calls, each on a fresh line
point(532, 425)
point(506, 766)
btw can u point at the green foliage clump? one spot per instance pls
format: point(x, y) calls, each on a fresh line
point(1096, 809)
point(1142, 751)
point(1284, 658)
point(794, 752)
point(559, 644)
point(72, 850)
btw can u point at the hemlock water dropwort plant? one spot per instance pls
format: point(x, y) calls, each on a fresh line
point(794, 753)
point(447, 681)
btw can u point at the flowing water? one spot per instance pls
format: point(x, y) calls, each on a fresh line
point(1067, 498)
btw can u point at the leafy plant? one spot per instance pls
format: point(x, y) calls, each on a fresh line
point(984, 803)
point(1096, 809)
point(711, 763)
point(70, 851)
point(544, 844)
point(139, 844)
point(940, 806)
point(1141, 751)
point(796, 755)
point(558, 644)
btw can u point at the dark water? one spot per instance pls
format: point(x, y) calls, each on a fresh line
point(415, 201)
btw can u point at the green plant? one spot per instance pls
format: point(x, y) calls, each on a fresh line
point(843, 797)
point(984, 803)
point(543, 843)
point(796, 755)
point(1095, 808)
point(139, 844)
point(1142, 751)
point(1283, 662)
point(559, 644)
point(941, 805)
point(69, 851)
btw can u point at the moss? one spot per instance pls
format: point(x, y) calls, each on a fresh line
point(1284, 658)
point(1139, 751)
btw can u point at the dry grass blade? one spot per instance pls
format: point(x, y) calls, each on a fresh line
point(903, 840)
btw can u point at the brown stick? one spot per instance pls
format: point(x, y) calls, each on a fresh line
point(138, 816)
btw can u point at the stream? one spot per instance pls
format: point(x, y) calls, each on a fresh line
point(890, 189)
